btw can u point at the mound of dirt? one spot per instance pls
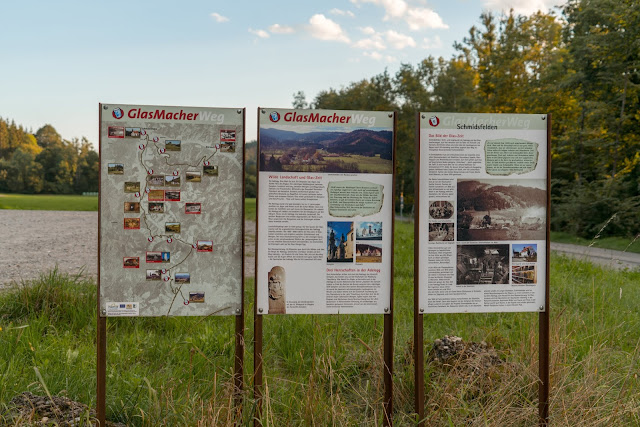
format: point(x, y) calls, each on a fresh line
point(29, 409)
point(472, 357)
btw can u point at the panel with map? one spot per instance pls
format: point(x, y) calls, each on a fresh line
point(171, 210)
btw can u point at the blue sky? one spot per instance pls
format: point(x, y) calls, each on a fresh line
point(59, 59)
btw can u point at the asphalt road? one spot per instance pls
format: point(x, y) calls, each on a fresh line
point(605, 257)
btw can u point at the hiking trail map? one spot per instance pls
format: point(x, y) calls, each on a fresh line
point(171, 200)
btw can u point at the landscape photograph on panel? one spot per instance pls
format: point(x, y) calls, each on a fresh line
point(332, 149)
point(500, 209)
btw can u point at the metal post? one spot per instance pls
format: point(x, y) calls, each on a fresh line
point(418, 325)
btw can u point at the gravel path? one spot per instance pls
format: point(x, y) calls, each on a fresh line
point(34, 242)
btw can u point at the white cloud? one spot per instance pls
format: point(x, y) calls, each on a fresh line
point(392, 8)
point(432, 43)
point(367, 30)
point(424, 18)
point(377, 56)
point(324, 28)
point(419, 17)
point(399, 41)
point(523, 7)
point(341, 12)
point(373, 42)
point(260, 33)
point(373, 55)
point(219, 18)
point(281, 29)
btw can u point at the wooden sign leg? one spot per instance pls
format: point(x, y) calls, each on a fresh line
point(418, 343)
point(257, 369)
point(101, 368)
point(238, 372)
point(388, 369)
point(543, 387)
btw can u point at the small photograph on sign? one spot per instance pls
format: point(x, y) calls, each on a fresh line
point(131, 187)
point(193, 208)
point(369, 231)
point(340, 241)
point(524, 274)
point(524, 252)
point(131, 262)
point(154, 257)
point(441, 232)
point(204, 246)
point(131, 207)
point(227, 135)
point(441, 209)
point(172, 227)
point(228, 147)
point(132, 223)
point(193, 176)
point(196, 297)
point(210, 170)
point(482, 264)
point(172, 145)
point(154, 275)
point(132, 132)
point(183, 278)
point(156, 195)
point(172, 195)
point(369, 252)
point(115, 132)
point(155, 180)
point(172, 181)
point(156, 207)
point(115, 168)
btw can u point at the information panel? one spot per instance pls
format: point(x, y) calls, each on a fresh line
point(171, 200)
point(325, 209)
point(483, 212)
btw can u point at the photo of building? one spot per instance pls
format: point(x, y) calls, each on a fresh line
point(340, 241)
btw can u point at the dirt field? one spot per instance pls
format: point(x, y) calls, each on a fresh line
point(34, 242)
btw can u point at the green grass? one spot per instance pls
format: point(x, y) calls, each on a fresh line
point(327, 370)
point(250, 209)
point(615, 243)
point(48, 202)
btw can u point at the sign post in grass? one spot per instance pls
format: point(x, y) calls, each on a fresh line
point(325, 221)
point(171, 220)
point(482, 224)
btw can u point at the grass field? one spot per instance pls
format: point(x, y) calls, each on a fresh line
point(327, 370)
point(48, 202)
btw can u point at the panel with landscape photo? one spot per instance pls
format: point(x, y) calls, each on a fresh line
point(495, 209)
point(352, 151)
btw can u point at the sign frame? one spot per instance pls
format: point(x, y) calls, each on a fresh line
point(419, 312)
point(101, 315)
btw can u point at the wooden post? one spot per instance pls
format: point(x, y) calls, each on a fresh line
point(101, 322)
point(418, 325)
point(257, 318)
point(388, 317)
point(543, 345)
point(239, 336)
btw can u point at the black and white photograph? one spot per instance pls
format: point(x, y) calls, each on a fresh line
point(503, 209)
point(441, 232)
point(482, 264)
point(440, 209)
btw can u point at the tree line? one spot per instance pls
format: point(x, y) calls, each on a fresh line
point(44, 162)
point(582, 65)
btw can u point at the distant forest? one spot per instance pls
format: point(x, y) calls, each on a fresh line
point(582, 65)
point(43, 162)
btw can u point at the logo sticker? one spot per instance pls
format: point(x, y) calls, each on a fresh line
point(434, 121)
point(117, 113)
point(274, 116)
